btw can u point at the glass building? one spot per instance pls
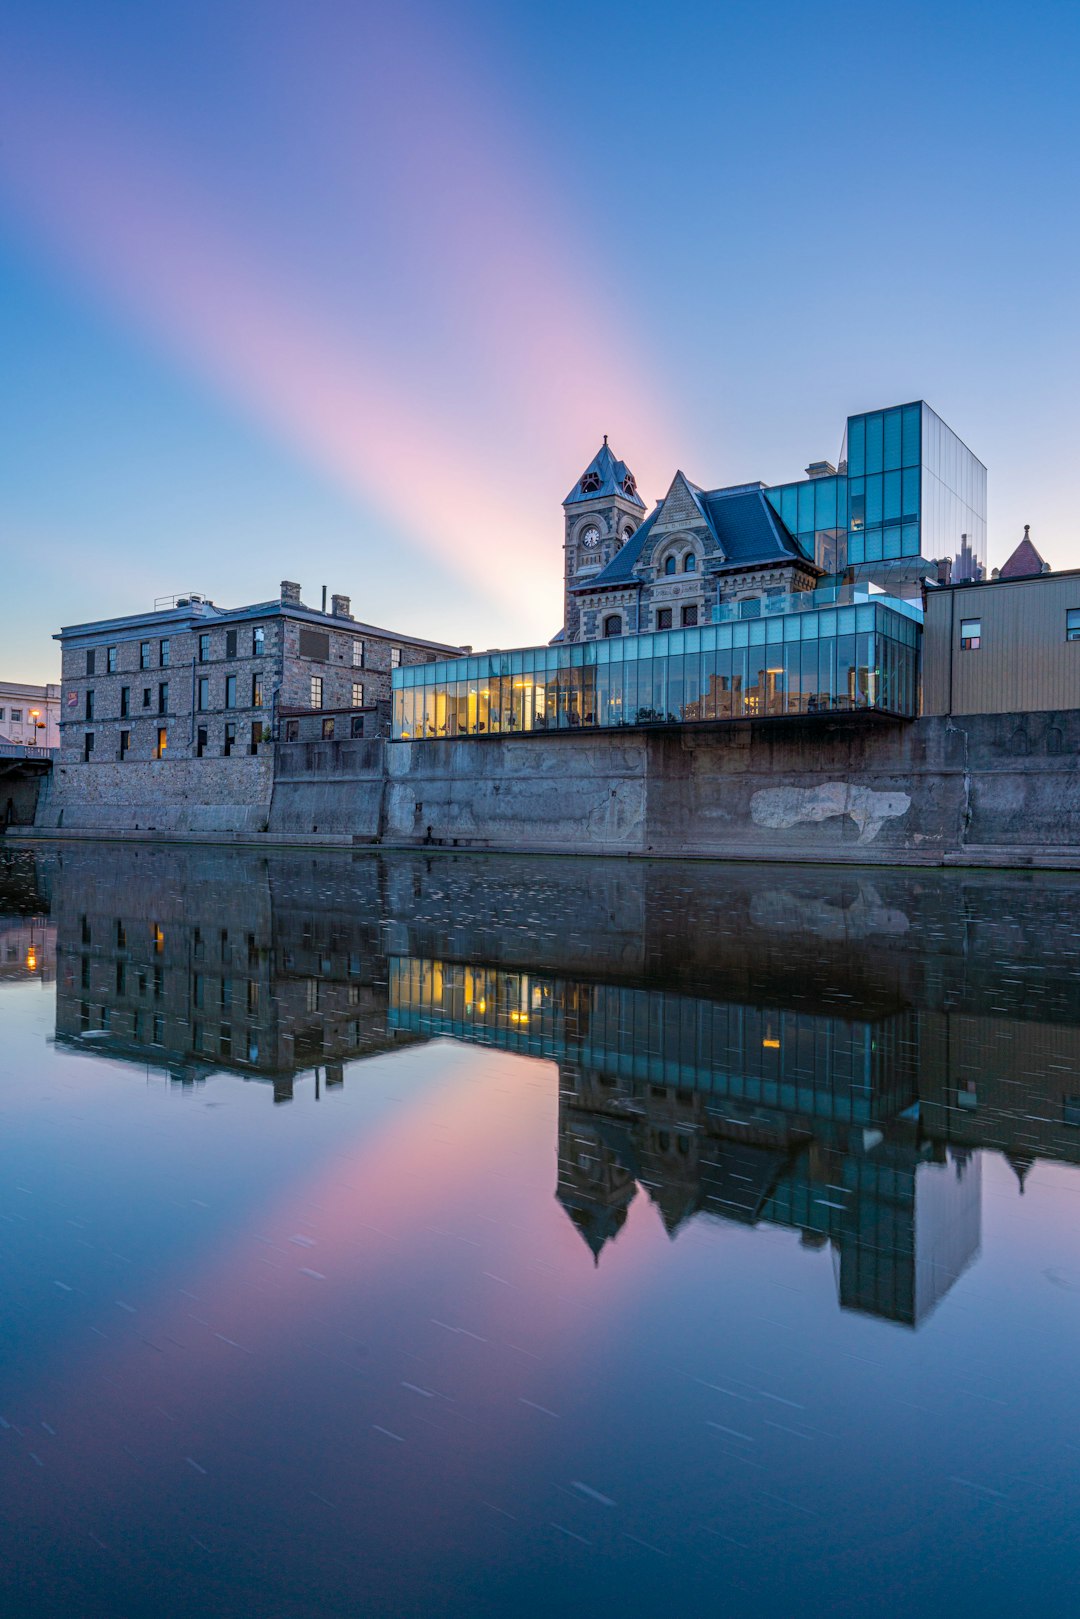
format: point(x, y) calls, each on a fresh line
point(906, 493)
point(841, 649)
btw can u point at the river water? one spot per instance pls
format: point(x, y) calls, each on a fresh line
point(404, 1234)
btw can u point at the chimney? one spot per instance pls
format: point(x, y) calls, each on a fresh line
point(290, 592)
point(944, 570)
point(339, 607)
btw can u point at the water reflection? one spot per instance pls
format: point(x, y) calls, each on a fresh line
point(819, 1051)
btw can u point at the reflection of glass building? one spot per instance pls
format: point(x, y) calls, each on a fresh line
point(824, 651)
point(907, 494)
point(727, 1111)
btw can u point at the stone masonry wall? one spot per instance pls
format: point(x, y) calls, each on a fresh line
point(212, 796)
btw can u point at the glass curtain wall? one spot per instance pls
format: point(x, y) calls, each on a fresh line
point(835, 659)
point(885, 450)
point(816, 512)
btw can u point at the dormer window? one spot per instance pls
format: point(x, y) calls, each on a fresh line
point(629, 487)
point(590, 483)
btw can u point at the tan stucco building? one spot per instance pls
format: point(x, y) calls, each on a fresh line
point(1001, 646)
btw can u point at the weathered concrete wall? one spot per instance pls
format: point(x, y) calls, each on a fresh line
point(212, 797)
point(982, 789)
point(990, 786)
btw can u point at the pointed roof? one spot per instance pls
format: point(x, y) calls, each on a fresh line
point(741, 520)
point(1025, 560)
point(605, 475)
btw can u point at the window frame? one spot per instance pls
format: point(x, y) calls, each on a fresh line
point(971, 642)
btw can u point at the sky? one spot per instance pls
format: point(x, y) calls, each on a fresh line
point(349, 293)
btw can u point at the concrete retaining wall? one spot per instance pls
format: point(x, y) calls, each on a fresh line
point(989, 787)
point(983, 789)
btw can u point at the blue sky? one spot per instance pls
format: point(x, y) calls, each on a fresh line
point(350, 293)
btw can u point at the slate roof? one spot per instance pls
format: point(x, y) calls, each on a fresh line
point(1024, 561)
point(612, 475)
point(741, 520)
point(748, 529)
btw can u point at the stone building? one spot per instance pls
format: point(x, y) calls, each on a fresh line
point(698, 555)
point(170, 717)
point(29, 715)
point(193, 680)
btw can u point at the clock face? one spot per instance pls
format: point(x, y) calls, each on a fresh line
point(591, 539)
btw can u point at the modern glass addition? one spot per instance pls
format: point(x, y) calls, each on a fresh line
point(858, 654)
point(910, 489)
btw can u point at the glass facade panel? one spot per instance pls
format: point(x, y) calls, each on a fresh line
point(907, 469)
point(858, 654)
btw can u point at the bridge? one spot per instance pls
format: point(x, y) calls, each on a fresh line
point(23, 769)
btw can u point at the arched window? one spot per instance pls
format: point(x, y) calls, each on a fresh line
point(689, 563)
point(628, 532)
point(612, 626)
point(669, 565)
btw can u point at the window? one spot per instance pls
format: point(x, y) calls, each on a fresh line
point(358, 654)
point(201, 737)
point(357, 695)
point(162, 743)
point(146, 697)
point(256, 735)
point(110, 659)
point(669, 565)
point(357, 728)
point(590, 483)
point(292, 730)
point(163, 697)
point(1, 713)
point(204, 648)
point(256, 691)
point(87, 746)
point(628, 533)
point(91, 662)
point(315, 644)
point(90, 704)
point(125, 701)
point(328, 730)
point(316, 691)
point(16, 714)
point(230, 691)
point(230, 643)
point(689, 563)
point(203, 692)
point(1072, 624)
point(612, 626)
point(258, 641)
point(125, 744)
point(230, 737)
point(144, 654)
point(163, 655)
point(970, 634)
point(395, 657)
point(689, 615)
point(663, 618)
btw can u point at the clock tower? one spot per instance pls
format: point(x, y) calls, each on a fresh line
point(602, 511)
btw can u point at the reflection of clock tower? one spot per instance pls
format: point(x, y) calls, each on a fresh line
point(602, 511)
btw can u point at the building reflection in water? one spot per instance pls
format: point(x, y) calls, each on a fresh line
point(781, 1074)
point(731, 1112)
